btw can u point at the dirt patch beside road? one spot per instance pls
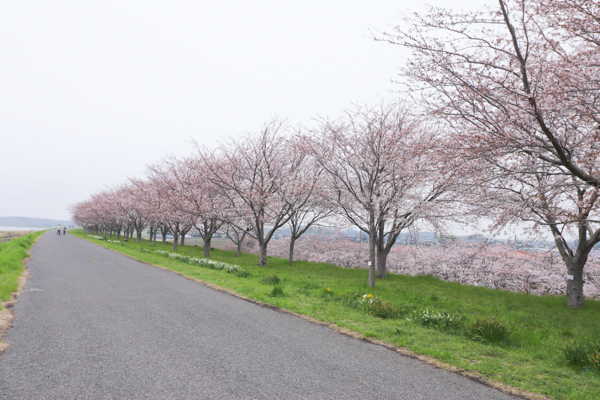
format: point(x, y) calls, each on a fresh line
point(9, 235)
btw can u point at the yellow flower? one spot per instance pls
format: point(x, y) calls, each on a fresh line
point(369, 295)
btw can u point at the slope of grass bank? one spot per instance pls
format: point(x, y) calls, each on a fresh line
point(12, 254)
point(426, 315)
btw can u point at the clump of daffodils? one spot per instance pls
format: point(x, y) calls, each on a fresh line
point(96, 237)
point(370, 304)
point(366, 299)
point(437, 320)
point(202, 262)
point(103, 238)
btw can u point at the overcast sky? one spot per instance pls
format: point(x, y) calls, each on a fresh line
point(92, 91)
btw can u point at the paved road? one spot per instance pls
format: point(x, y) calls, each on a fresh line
point(93, 324)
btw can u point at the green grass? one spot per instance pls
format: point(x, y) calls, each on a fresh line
point(530, 355)
point(12, 254)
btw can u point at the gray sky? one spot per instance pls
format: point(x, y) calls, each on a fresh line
point(91, 91)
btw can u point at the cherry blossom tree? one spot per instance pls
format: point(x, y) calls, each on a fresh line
point(520, 75)
point(113, 217)
point(303, 217)
point(236, 235)
point(521, 187)
point(152, 202)
point(307, 206)
point(254, 175)
point(84, 214)
point(573, 19)
point(518, 84)
point(199, 195)
point(167, 206)
point(127, 202)
point(99, 215)
point(382, 173)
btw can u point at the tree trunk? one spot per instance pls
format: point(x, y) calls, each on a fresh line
point(206, 243)
point(238, 252)
point(382, 263)
point(154, 237)
point(575, 297)
point(381, 253)
point(138, 236)
point(575, 263)
point(182, 239)
point(240, 240)
point(175, 240)
point(262, 254)
point(291, 255)
point(372, 245)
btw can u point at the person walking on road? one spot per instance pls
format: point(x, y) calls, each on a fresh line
point(58, 231)
point(65, 230)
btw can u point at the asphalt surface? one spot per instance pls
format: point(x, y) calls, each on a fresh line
point(93, 324)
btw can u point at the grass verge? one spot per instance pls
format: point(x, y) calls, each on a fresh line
point(506, 338)
point(12, 254)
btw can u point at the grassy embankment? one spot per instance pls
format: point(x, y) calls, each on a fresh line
point(531, 357)
point(12, 254)
point(5, 236)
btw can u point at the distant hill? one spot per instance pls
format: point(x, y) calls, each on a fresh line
point(26, 222)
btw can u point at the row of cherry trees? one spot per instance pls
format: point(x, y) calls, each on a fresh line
point(376, 168)
point(509, 132)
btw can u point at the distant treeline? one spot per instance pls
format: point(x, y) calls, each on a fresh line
point(27, 222)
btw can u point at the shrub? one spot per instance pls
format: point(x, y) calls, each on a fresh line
point(277, 291)
point(270, 280)
point(384, 309)
point(488, 330)
point(351, 298)
point(441, 321)
point(583, 355)
point(310, 285)
point(595, 360)
point(242, 274)
point(380, 308)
